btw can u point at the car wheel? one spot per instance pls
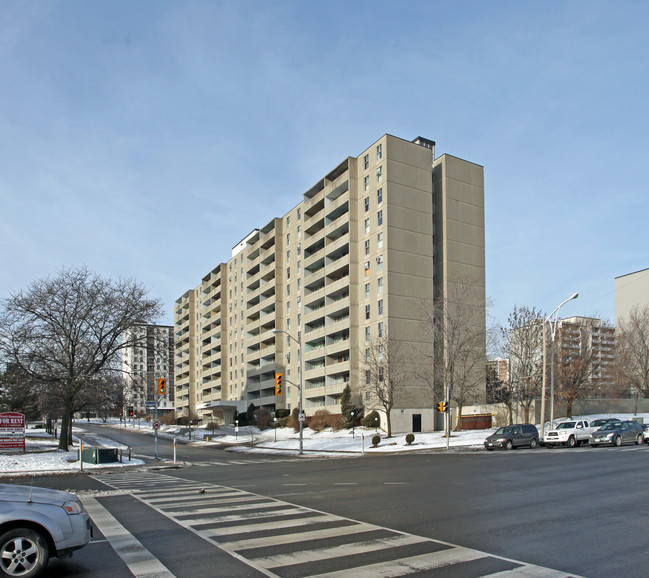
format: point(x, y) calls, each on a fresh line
point(618, 441)
point(639, 439)
point(572, 442)
point(509, 445)
point(549, 446)
point(489, 449)
point(23, 552)
point(533, 443)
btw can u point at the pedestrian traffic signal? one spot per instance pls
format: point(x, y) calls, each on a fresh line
point(442, 406)
point(162, 386)
point(278, 384)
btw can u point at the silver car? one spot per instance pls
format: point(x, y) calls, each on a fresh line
point(617, 433)
point(37, 524)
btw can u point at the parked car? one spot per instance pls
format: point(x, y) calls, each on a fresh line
point(37, 524)
point(645, 432)
point(618, 433)
point(570, 433)
point(513, 436)
point(598, 423)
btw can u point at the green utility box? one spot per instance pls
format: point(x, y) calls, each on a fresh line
point(91, 455)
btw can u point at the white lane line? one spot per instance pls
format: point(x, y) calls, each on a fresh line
point(139, 560)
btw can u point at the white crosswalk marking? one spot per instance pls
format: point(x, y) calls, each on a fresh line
point(139, 560)
point(279, 538)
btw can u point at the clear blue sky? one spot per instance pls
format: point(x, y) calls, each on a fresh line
point(145, 139)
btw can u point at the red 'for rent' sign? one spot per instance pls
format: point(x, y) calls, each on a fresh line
point(12, 430)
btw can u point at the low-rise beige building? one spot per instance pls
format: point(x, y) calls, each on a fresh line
point(367, 248)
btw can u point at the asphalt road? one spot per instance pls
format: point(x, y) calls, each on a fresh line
point(582, 511)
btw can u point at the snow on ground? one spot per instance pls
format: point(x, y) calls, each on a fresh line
point(43, 457)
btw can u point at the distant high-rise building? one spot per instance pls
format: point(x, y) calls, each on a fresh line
point(150, 358)
point(367, 248)
point(589, 339)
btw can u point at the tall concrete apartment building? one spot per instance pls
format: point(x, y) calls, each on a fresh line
point(590, 338)
point(631, 291)
point(144, 363)
point(368, 246)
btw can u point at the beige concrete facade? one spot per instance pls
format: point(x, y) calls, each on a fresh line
point(367, 245)
point(631, 291)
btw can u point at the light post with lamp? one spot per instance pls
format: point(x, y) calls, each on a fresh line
point(353, 424)
point(275, 422)
point(553, 332)
point(299, 382)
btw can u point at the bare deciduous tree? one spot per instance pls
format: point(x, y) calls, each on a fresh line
point(632, 351)
point(65, 331)
point(523, 337)
point(385, 368)
point(459, 356)
point(580, 367)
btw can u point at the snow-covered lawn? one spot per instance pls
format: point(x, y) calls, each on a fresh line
point(43, 457)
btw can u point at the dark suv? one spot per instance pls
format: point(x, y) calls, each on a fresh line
point(512, 436)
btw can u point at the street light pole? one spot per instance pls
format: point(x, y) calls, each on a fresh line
point(299, 381)
point(553, 332)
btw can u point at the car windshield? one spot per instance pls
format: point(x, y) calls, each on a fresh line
point(610, 426)
point(503, 430)
point(566, 425)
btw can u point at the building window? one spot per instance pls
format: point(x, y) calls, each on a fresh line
point(379, 261)
point(367, 246)
point(367, 355)
point(288, 255)
point(380, 375)
point(299, 214)
point(367, 226)
point(379, 241)
point(288, 272)
point(288, 221)
point(299, 267)
point(299, 249)
point(368, 377)
point(288, 307)
point(299, 285)
point(288, 289)
point(379, 217)
point(379, 174)
point(367, 268)
point(299, 302)
point(288, 238)
point(381, 329)
point(367, 311)
point(366, 162)
point(367, 204)
point(366, 182)
point(299, 231)
point(379, 152)
point(380, 306)
point(379, 196)
point(367, 290)
point(380, 285)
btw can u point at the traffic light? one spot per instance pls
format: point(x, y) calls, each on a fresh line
point(162, 386)
point(278, 384)
point(130, 411)
point(442, 406)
